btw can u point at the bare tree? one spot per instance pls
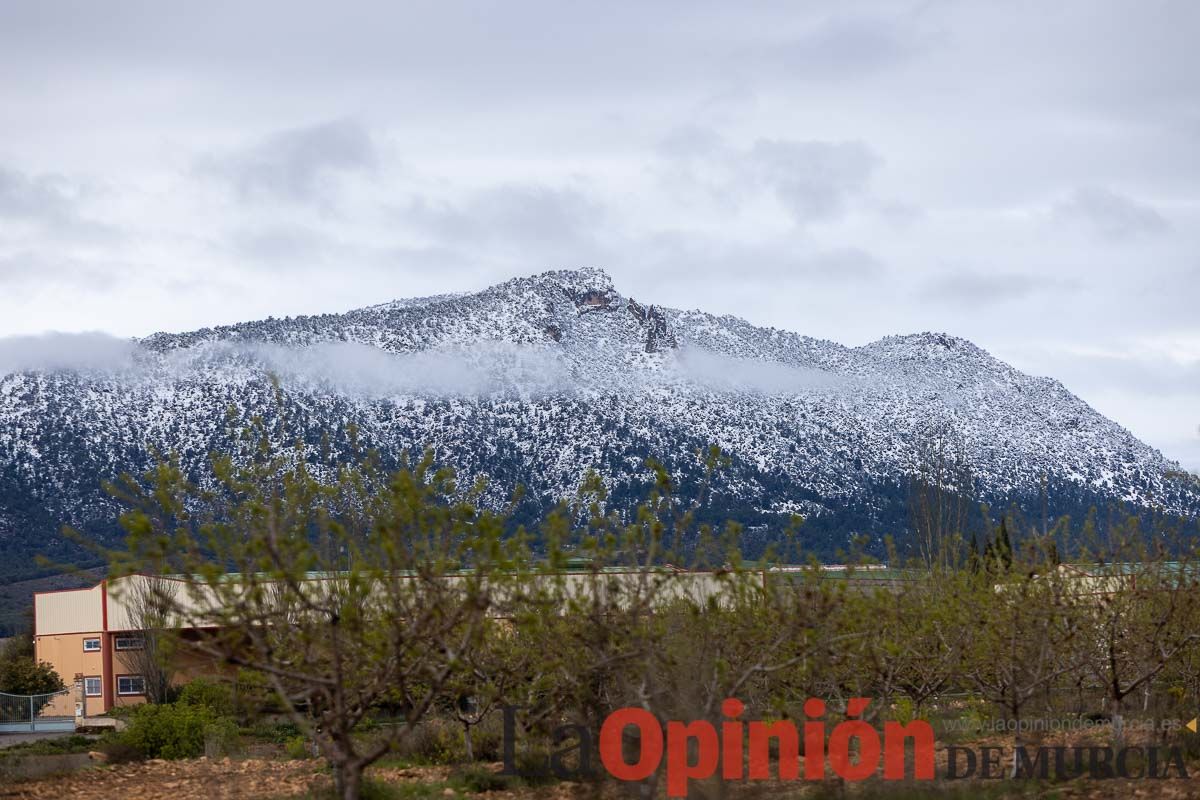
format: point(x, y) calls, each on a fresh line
point(941, 491)
point(343, 592)
point(1028, 637)
point(920, 634)
point(1140, 619)
point(148, 601)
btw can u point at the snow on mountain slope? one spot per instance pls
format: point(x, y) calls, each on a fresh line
point(539, 379)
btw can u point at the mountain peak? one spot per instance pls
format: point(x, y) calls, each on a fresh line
point(928, 347)
point(580, 281)
point(930, 340)
point(537, 380)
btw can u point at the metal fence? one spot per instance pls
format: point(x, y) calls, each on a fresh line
point(25, 713)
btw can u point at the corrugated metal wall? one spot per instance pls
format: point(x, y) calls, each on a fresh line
point(79, 611)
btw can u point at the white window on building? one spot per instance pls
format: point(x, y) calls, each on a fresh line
point(131, 684)
point(92, 686)
point(91, 645)
point(129, 642)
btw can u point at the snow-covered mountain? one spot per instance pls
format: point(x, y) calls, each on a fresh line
point(539, 379)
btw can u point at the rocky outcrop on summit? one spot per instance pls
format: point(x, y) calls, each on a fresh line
point(539, 379)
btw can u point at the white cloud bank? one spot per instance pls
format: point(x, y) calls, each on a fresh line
point(361, 370)
point(65, 352)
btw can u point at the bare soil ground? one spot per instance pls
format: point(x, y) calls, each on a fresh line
point(268, 777)
point(226, 779)
point(244, 779)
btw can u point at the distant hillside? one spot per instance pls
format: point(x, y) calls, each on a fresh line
point(539, 379)
point(16, 598)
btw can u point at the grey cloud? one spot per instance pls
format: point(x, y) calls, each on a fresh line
point(1110, 215)
point(21, 268)
point(38, 197)
point(691, 141)
point(53, 201)
point(483, 369)
point(359, 369)
point(990, 288)
point(56, 352)
point(499, 368)
point(28, 269)
point(293, 248)
point(281, 246)
point(1158, 377)
point(679, 254)
point(843, 47)
point(720, 373)
point(901, 214)
point(527, 215)
point(296, 164)
point(812, 180)
point(843, 264)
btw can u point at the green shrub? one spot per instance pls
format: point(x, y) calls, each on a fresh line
point(298, 747)
point(26, 676)
point(254, 696)
point(432, 742)
point(121, 712)
point(117, 751)
point(531, 767)
point(475, 778)
point(904, 710)
point(488, 739)
point(76, 743)
point(179, 731)
point(215, 696)
point(273, 732)
point(221, 738)
point(378, 790)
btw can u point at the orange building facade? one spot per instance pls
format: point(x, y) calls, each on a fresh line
point(91, 634)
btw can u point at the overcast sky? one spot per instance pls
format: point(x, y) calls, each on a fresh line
point(1023, 174)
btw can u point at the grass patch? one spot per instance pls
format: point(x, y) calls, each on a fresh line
point(76, 743)
point(272, 732)
point(478, 779)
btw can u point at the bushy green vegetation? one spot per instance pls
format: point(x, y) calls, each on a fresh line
point(298, 747)
point(479, 779)
point(200, 722)
point(274, 732)
point(21, 673)
point(176, 730)
point(217, 697)
point(432, 742)
point(76, 743)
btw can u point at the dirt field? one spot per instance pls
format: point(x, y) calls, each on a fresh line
point(267, 779)
point(242, 779)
